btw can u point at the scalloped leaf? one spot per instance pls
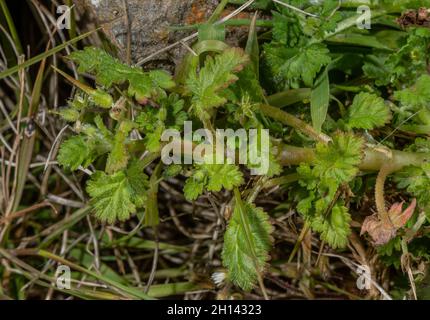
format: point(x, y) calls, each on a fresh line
point(335, 228)
point(212, 177)
point(368, 111)
point(115, 197)
point(75, 152)
point(339, 159)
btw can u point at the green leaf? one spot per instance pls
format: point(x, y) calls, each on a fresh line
point(212, 177)
point(153, 121)
point(288, 29)
point(252, 48)
point(138, 181)
point(109, 71)
point(320, 99)
point(69, 114)
point(75, 152)
point(172, 171)
point(115, 197)
point(118, 157)
point(83, 149)
point(305, 205)
point(111, 196)
point(336, 163)
point(416, 180)
point(217, 74)
point(152, 139)
point(274, 57)
point(305, 63)
point(247, 242)
point(403, 66)
point(375, 68)
point(193, 188)
point(248, 86)
point(335, 229)
point(417, 96)
point(161, 79)
point(368, 111)
point(221, 176)
point(248, 83)
point(102, 99)
point(339, 159)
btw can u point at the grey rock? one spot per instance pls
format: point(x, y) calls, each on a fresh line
point(149, 23)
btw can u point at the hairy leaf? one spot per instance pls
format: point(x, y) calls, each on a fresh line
point(75, 152)
point(335, 164)
point(287, 29)
point(417, 96)
point(153, 121)
point(212, 177)
point(109, 71)
point(111, 196)
point(115, 197)
point(217, 74)
point(335, 228)
point(339, 159)
point(305, 63)
point(236, 255)
point(221, 176)
point(69, 114)
point(138, 181)
point(368, 111)
point(118, 157)
point(416, 180)
point(193, 188)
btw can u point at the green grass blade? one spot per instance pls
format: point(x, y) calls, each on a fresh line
point(44, 55)
point(320, 98)
point(11, 26)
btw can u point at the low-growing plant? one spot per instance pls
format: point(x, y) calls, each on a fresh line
point(347, 110)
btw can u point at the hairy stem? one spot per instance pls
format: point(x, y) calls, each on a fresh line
point(386, 169)
point(296, 123)
point(287, 155)
point(373, 160)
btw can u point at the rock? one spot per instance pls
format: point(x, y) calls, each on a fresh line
point(149, 21)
